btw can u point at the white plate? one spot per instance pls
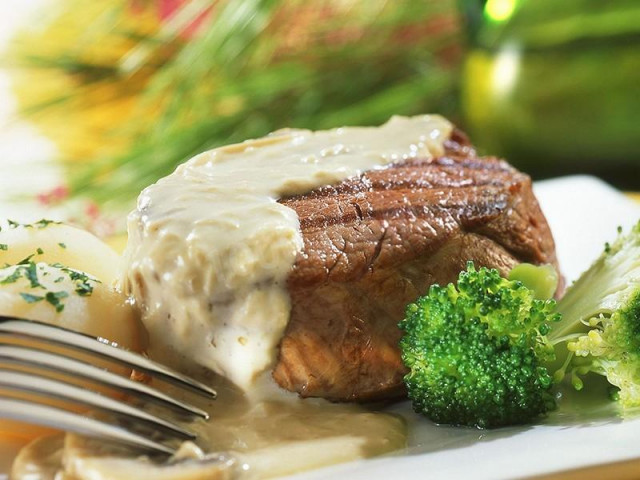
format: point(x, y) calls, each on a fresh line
point(583, 213)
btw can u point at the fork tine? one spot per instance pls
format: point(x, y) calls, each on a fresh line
point(54, 362)
point(27, 382)
point(31, 412)
point(98, 346)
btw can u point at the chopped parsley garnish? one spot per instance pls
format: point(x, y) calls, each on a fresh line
point(32, 275)
point(4, 246)
point(55, 299)
point(27, 269)
point(45, 223)
point(31, 298)
point(62, 245)
point(82, 281)
point(39, 224)
point(39, 251)
point(26, 260)
point(13, 278)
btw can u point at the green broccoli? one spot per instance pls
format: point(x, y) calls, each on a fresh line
point(477, 351)
point(601, 320)
point(487, 352)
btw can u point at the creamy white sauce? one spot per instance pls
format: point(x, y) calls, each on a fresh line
point(210, 248)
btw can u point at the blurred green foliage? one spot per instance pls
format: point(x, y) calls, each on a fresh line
point(251, 67)
point(555, 87)
point(129, 88)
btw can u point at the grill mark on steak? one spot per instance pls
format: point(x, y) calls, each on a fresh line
point(415, 204)
point(374, 243)
point(417, 174)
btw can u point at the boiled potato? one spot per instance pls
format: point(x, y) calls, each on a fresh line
point(74, 272)
point(68, 298)
point(59, 243)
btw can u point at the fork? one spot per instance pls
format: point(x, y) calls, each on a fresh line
point(125, 418)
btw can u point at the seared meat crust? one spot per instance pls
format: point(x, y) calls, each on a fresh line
point(374, 243)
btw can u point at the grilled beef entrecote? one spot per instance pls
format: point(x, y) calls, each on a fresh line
point(374, 243)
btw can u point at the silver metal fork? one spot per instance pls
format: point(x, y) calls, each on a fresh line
point(118, 421)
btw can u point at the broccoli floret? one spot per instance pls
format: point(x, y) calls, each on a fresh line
point(486, 352)
point(601, 320)
point(477, 352)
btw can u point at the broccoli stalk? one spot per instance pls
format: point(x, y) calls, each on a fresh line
point(486, 352)
point(600, 326)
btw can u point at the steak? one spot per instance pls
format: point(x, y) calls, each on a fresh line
point(374, 243)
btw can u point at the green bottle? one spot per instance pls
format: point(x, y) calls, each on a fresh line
point(554, 85)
